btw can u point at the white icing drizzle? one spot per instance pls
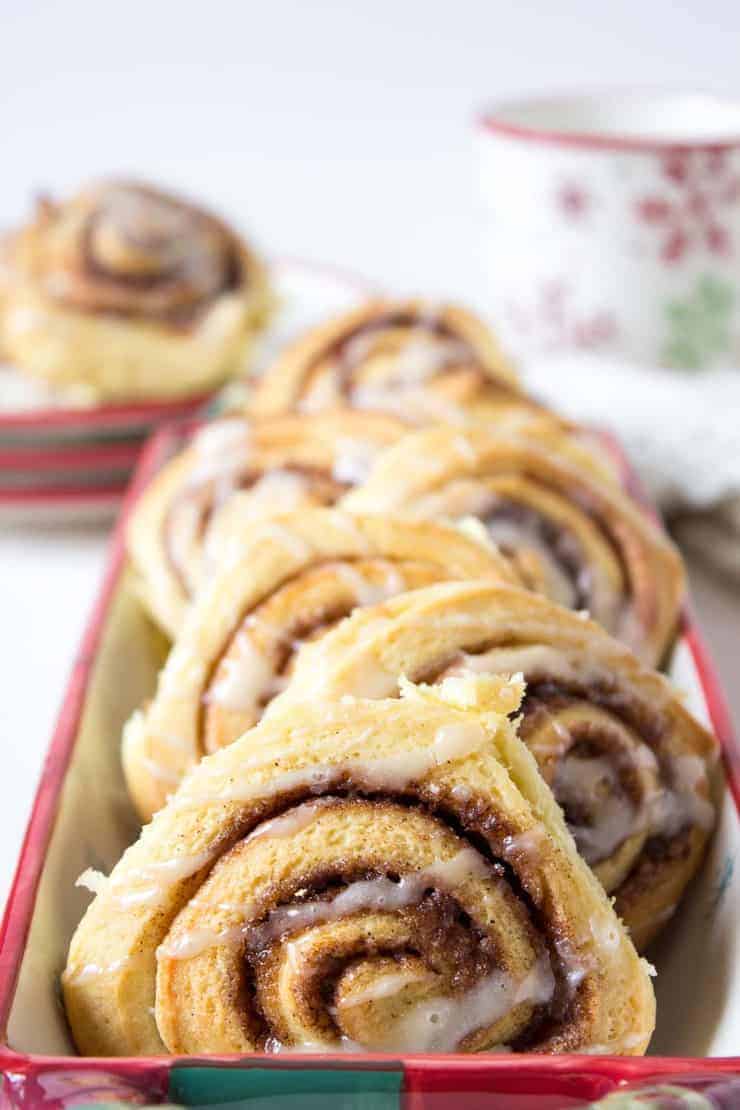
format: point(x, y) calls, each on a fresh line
point(91, 879)
point(134, 886)
point(373, 682)
point(512, 534)
point(285, 537)
point(375, 895)
point(321, 394)
point(595, 780)
point(292, 822)
point(409, 403)
point(160, 771)
point(244, 678)
point(441, 1024)
point(353, 460)
point(367, 592)
point(391, 772)
point(276, 491)
point(662, 811)
point(222, 439)
point(384, 986)
point(92, 970)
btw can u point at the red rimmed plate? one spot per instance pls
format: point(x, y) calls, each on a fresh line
point(306, 292)
point(73, 463)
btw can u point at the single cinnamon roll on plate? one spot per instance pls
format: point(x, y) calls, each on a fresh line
point(286, 582)
point(573, 536)
point(235, 472)
point(125, 292)
point(631, 767)
point(419, 361)
point(364, 876)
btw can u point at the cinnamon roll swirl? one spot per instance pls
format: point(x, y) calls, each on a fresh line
point(419, 361)
point(632, 769)
point(359, 875)
point(235, 472)
point(283, 582)
point(126, 292)
point(572, 535)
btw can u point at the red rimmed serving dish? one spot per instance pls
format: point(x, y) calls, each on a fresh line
point(81, 818)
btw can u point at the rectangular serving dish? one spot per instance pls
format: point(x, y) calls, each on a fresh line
point(81, 818)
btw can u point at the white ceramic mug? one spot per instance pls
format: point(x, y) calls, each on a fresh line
point(613, 225)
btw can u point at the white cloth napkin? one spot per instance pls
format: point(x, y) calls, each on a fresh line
point(681, 430)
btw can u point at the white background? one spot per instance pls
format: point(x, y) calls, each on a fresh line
point(331, 130)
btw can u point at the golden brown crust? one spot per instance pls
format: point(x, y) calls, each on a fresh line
point(631, 766)
point(131, 293)
point(290, 580)
point(573, 535)
point(420, 361)
point(235, 472)
point(223, 931)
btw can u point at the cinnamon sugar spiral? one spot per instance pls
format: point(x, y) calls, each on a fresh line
point(572, 535)
point(359, 876)
point(414, 359)
point(130, 291)
point(282, 583)
point(234, 473)
point(632, 769)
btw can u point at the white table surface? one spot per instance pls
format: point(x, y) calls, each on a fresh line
point(336, 131)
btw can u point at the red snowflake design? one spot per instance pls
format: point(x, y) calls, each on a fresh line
point(551, 316)
point(573, 201)
point(704, 184)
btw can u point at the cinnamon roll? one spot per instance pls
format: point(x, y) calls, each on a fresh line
point(359, 875)
point(419, 361)
point(235, 472)
point(632, 769)
point(126, 292)
point(572, 535)
point(282, 583)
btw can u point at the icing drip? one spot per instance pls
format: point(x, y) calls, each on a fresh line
point(384, 986)
point(147, 884)
point(595, 782)
point(393, 772)
point(353, 460)
point(442, 1024)
point(375, 895)
point(290, 823)
point(276, 491)
point(245, 679)
point(367, 592)
point(91, 880)
point(408, 403)
point(222, 439)
point(295, 545)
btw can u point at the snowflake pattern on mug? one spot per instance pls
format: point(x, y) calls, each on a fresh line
point(553, 315)
point(699, 325)
point(700, 188)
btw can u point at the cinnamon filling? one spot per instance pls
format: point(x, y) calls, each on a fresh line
point(143, 254)
point(193, 510)
point(462, 976)
point(448, 353)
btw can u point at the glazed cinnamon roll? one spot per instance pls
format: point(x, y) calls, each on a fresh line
point(363, 876)
point(419, 361)
point(234, 473)
point(283, 582)
point(628, 763)
point(572, 535)
point(125, 292)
